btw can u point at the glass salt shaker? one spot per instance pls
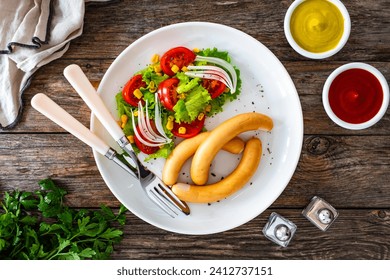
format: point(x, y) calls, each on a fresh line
point(320, 213)
point(279, 229)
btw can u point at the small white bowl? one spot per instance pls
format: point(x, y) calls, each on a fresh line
point(321, 55)
point(385, 89)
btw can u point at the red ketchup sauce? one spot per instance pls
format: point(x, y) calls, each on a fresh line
point(355, 96)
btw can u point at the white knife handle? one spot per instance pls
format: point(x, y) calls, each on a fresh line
point(57, 114)
point(84, 88)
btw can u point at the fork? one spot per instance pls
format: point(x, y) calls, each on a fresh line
point(214, 72)
point(156, 190)
point(47, 107)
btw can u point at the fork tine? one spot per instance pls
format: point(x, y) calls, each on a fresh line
point(162, 203)
point(172, 199)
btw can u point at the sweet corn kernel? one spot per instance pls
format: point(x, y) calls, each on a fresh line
point(208, 108)
point(169, 125)
point(184, 69)
point(130, 138)
point(135, 113)
point(155, 58)
point(171, 118)
point(182, 96)
point(124, 120)
point(137, 93)
point(152, 86)
point(175, 68)
point(196, 50)
point(182, 130)
point(200, 116)
point(157, 68)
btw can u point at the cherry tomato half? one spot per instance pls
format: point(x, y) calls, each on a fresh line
point(192, 129)
point(134, 83)
point(214, 87)
point(167, 93)
point(145, 148)
point(179, 56)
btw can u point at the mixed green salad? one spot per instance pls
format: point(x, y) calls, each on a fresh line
point(166, 100)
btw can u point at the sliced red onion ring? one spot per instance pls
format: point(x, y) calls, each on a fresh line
point(156, 134)
point(157, 119)
point(146, 127)
point(141, 139)
point(211, 72)
point(146, 134)
point(222, 63)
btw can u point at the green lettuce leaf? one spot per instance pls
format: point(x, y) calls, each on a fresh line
point(214, 52)
point(188, 109)
point(149, 75)
point(162, 152)
point(186, 84)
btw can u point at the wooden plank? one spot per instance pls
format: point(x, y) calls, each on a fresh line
point(350, 172)
point(356, 234)
point(111, 27)
point(26, 159)
point(308, 79)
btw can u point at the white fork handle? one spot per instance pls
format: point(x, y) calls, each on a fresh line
point(84, 88)
point(57, 114)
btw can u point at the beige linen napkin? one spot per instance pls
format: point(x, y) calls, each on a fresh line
point(33, 33)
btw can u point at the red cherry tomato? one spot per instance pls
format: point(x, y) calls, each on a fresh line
point(167, 93)
point(145, 148)
point(134, 83)
point(180, 56)
point(214, 87)
point(192, 129)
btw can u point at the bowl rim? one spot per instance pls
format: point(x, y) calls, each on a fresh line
point(322, 55)
point(356, 65)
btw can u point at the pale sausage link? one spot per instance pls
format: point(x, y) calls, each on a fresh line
point(232, 183)
point(219, 136)
point(186, 149)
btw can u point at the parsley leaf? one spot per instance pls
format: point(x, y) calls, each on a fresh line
point(39, 226)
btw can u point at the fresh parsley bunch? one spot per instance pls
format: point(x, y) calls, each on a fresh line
point(39, 226)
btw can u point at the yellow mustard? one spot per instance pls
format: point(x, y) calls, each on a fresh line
point(317, 25)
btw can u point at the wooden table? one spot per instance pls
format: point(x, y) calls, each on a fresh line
point(349, 169)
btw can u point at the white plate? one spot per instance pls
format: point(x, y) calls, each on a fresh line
point(266, 88)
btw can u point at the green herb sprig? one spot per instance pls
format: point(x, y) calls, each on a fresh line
point(39, 226)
